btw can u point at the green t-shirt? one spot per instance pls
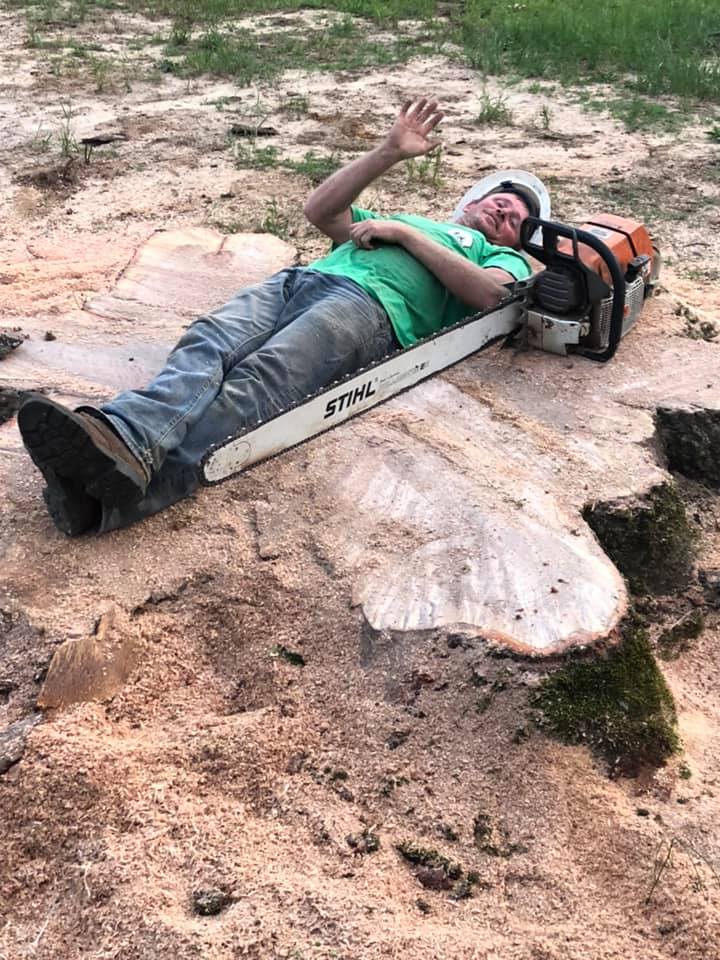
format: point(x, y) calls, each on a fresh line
point(416, 302)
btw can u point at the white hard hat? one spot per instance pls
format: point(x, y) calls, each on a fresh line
point(526, 185)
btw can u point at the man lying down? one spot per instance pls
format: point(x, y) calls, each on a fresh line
point(388, 282)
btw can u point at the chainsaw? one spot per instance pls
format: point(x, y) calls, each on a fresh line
point(590, 293)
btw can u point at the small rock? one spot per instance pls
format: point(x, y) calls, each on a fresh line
point(459, 640)
point(421, 678)
point(461, 891)
point(710, 583)
point(12, 740)
point(521, 734)
point(209, 901)
point(252, 131)
point(677, 639)
point(8, 343)
point(281, 652)
point(296, 762)
point(434, 878)
point(447, 832)
point(397, 738)
point(10, 401)
point(362, 843)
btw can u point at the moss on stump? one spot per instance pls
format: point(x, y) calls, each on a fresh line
point(619, 705)
point(648, 539)
point(690, 440)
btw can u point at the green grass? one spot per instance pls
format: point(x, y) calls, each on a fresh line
point(214, 10)
point(68, 143)
point(658, 47)
point(249, 154)
point(705, 274)
point(42, 140)
point(426, 169)
point(663, 46)
point(313, 166)
point(295, 105)
point(493, 110)
point(637, 196)
point(248, 56)
point(187, 13)
point(640, 113)
point(276, 220)
point(545, 116)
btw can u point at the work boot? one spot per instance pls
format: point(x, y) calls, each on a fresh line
point(72, 510)
point(79, 454)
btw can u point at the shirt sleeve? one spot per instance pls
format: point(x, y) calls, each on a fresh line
point(359, 214)
point(513, 262)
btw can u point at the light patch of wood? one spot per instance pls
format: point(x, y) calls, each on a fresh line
point(184, 273)
point(92, 668)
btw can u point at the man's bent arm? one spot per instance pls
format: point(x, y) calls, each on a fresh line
point(328, 207)
point(478, 287)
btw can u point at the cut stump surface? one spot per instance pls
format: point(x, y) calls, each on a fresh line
point(457, 504)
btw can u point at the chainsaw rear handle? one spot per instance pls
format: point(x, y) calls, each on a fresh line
point(549, 254)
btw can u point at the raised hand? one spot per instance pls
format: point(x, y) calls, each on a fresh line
point(328, 207)
point(410, 135)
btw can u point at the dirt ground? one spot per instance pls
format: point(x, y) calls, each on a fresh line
point(223, 763)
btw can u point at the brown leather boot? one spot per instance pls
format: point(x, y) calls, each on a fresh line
point(68, 445)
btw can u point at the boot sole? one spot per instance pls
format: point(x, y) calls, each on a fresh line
point(72, 511)
point(60, 446)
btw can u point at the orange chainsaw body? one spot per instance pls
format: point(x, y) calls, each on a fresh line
point(625, 238)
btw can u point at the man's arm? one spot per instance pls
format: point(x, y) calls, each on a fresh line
point(478, 287)
point(328, 206)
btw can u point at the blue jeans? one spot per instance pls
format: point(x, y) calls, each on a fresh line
point(270, 346)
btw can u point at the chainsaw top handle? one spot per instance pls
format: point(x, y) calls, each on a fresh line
point(567, 284)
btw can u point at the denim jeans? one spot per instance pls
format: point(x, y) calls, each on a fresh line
point(270, 346)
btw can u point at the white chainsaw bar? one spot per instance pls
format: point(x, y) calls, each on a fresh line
point(360, 391)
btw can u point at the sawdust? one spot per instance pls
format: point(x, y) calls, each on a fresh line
point(221, 765)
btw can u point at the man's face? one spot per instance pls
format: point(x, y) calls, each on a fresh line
point(498, 216)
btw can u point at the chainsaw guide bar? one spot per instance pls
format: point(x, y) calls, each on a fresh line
point(362, 390)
